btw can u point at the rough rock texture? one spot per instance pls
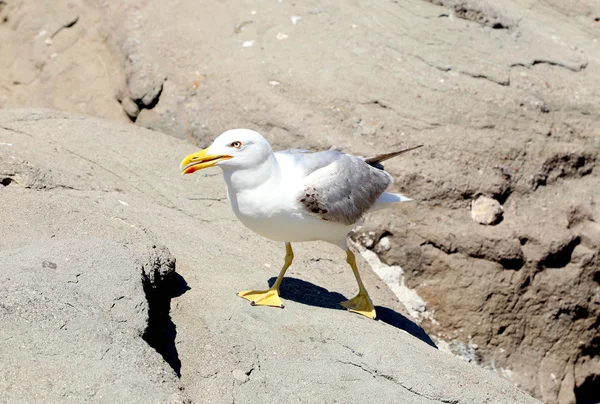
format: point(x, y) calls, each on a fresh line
point(503, 94)
point(56, 54)
point(72, 314)
point(77, 254)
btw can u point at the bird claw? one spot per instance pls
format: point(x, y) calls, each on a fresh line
point(262, 297)
point(361, 304)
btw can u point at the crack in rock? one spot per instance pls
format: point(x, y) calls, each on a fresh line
point(66, 25)
point(9, 129)
point(376, 374)
point(475, 12)
point(572, 67)
point(161, 283)
point(504, 81)
point(3, 19)
point(506, 252)
point(563, 165)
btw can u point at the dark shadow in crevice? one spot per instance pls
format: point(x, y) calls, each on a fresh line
point(561, 256)
point(589, 391)
point(310, 294)
point(161, 331)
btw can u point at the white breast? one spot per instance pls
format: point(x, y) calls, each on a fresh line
point(274, 212)
point(271, 208)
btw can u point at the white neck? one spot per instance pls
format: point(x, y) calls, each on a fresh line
point(242, 179)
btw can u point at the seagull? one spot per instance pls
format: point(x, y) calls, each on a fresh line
point(298, 195)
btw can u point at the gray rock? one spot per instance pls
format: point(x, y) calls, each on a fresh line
point(502, 94)
point(100, 217)
point(240, 376)
point(72, 318)
point(130, 107)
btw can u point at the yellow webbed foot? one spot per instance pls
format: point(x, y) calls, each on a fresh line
point(361, 304)
point(262, 297)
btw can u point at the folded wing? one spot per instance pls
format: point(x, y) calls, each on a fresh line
point(338, 187)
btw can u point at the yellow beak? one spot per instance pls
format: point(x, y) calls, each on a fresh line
point(200, 160)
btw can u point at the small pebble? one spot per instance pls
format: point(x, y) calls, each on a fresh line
point(49, 264)
point(130, 107)
point(240, 376)
point(486, 211)
point(384, 244)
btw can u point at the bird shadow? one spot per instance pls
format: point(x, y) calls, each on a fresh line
point(310, 294)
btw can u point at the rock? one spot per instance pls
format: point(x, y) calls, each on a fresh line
point(505, 106)
point(547, 272)
point(130, 107)
point(559, 252)
point(89, 283)
point(383, 245)
point(578, 214)
point(394, 277)
point(486, 210)
point(78, 303)
point(240, 376)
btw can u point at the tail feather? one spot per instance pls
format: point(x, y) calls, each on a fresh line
point(388, 198)
point(376, 161)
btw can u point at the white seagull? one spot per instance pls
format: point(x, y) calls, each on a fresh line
point(298, 195)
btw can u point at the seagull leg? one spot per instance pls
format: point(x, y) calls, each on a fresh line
point(360, 303)
point(270, 297)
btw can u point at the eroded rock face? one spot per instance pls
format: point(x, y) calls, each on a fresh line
point(527, 304)
point(88, 282)
point(73, 314)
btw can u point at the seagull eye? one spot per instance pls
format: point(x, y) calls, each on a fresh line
point(236, 144)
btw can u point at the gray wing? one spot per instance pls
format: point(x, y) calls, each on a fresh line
point(339, 187)
point(307, 161)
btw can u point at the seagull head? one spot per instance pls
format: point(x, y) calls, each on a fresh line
point(234, 149)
